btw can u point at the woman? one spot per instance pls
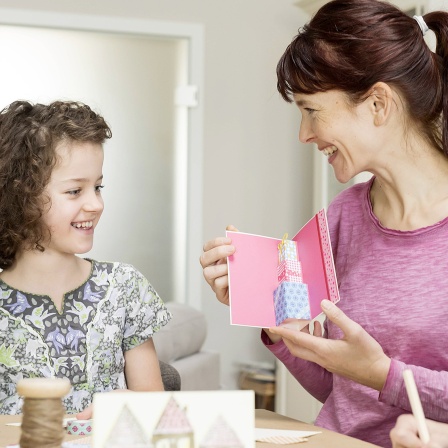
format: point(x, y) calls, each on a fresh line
point(373, 97)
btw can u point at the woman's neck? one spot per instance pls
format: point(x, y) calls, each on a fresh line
point(412, 193)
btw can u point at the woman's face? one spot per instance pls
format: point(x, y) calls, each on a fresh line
point(342, 133)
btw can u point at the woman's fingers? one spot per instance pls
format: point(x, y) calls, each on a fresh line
point(215, 271)
point(216, 251)
point(215, 243)
point(214, 264)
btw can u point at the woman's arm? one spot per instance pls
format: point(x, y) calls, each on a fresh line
point(312, 377)
point(432, 387)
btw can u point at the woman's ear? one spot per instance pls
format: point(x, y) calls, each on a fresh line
point(381, 102)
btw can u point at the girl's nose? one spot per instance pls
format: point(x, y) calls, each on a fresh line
point(94, 202)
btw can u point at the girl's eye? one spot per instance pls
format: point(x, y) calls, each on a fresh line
point(98, 188)
point(74, 192)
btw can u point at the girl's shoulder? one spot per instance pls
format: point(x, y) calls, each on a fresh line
point(110, 267)
point(117, 272)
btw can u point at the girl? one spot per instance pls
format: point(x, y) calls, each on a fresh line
point(62, 315)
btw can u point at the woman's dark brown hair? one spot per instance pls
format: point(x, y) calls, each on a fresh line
point(29, 135)
point(349, 45)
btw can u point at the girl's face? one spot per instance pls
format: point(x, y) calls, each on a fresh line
point(341, 132)
point(75, 194)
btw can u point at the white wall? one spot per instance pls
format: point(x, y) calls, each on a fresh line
point(256, 175)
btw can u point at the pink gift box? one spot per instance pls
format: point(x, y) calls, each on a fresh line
point(289, 277)
point(287, 251)
point(290, 266)
point(289, 270)
point(291, 301)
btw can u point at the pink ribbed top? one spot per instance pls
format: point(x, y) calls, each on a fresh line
point(395, 285)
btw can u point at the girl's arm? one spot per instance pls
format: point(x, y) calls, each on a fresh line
point(142, 372)
point(142, 368)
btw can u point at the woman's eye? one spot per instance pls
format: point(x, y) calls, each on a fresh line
point(74, 192)
point(98, 188)
point(310, 111)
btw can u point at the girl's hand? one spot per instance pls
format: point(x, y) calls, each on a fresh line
point(356, 356)
point(405, 434)
point(214, 265)
point(87, 413)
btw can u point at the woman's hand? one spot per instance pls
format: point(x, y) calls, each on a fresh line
point(405, 433)
point(298, 325)
point(356, 355)
point(214, 265)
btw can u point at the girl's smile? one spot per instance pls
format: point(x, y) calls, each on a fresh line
point(83, 225)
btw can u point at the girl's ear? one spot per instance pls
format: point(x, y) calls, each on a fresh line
point(381, 102)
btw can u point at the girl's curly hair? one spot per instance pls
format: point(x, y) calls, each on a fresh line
point(29, 135)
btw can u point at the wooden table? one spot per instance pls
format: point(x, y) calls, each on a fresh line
point(328, 439)
point(10, 435)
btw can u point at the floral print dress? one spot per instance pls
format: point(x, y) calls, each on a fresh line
point(115, 310)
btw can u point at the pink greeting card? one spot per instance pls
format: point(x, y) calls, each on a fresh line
point(253, 273)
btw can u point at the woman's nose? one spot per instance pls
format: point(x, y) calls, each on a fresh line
point(306, 134)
